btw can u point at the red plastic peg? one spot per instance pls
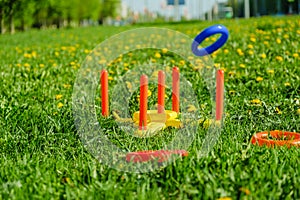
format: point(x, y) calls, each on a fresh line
point(104, 92)
point(219, 94)
point(175, 89)
point(161, 92)
point(143, 102)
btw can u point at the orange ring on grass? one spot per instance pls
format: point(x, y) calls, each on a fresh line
point(291, 138)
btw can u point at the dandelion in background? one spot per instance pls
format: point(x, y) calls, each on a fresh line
point(58, 96)
point(67, 86)
point(253, 39)
point(256, 101)
point(242, 65)
point(279, 58)
point(278, 111)
point(164, 50)
point(250, 46)
point(278, 41)
point(263, 55)
point(157, 55)
point(60, 105)
point(259, 79)
point(240, 52)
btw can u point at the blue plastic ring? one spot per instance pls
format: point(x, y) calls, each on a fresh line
point(212, 30)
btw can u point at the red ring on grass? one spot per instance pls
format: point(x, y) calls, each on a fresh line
point(154, 155)
point(261, 138)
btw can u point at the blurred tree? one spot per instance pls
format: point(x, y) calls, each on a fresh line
point(108, 9)
point(45, 13)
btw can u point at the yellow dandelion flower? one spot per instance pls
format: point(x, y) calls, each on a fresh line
point(225, 198)
point(87, 51)
point(58, 96)
point(240, 52)
point(67, 86)
point(72, 63)
point(129, 85)
point(119, 59)
point(286, 36)
point(149, 93)
point(126, 64)
point(266, 43)
point(231, 92)
point(191, 108)
point(255, 101)
point(71, 49)
point(110, 78)
point(250, 46)
point(59, 105)
point(164, 50)
point(270, 71)
point(153, 60)
point(298, 111)
point(33, 54)
point(253, 39)
point(226, 51)
point(279, 58)
point(278, 111)
point(278, 41)
point(19, 65)
point(26, 65)
point(250, 52)
point(27, 55)
point(242, 65)
point(217, 65)
point(231, 73)
point(295, 55)
point(263, 55)
point(287, 84)
point(157, 55)
point(63, 48)
point(245, 190)
point(259, 79)
point(181, 62)
point(56, 53)
point(42, 65)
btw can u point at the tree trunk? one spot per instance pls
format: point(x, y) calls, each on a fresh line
point(11, 20)
point(2, 25)
point(23, 26)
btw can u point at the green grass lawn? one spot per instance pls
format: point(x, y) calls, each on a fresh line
point(41, 154)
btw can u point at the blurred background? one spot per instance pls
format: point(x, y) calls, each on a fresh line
point(21, 15)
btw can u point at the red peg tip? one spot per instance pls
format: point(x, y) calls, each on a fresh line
point(219, 94)
point(175, 89)
point(161, 92)
point(143, 102)
point(104, 92)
